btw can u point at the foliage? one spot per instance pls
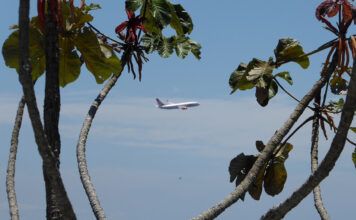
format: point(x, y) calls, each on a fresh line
point(258, 73)
point(77, 43)
point(272, 176)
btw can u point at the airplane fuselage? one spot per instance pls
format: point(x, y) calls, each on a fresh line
point(180, 105)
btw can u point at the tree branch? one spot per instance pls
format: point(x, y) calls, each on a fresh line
point(314, 165)
point(10, 177)
point(49, 159)
point(330, 159)
point(81, 157)
point(268, 150)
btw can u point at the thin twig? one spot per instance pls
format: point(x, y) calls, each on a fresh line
point(288, 93)
point(10, 178)
point(104, 35)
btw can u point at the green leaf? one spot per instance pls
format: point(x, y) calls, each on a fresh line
point(286, 76)
point(184, 19)
point(161, 12)
point(283, 152)
point(183, 46)
point(288, 49)
point(90, 7)
point(257, 68)
point(69, 62)
point(239, 167)
point(95, 61)
point(275, 177)
point(150, 23)
point(165, 47)
point(338, 84)
point(353, 129)
point(175, 22)
point(133, 5)
point(238, 79)
point(272, 89)
point(10, 51)
point(195, 48)
point(255, 189)
point(150, 42)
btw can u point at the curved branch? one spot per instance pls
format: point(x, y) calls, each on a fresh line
point(81, 157)
point(314, 165)
point(10, 177)
point(268, 150)
point(330, 159)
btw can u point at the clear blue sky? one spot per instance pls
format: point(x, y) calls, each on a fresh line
point(152, 164)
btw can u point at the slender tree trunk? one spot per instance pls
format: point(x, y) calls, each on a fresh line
point(81, 157)
point(318, 202)
point(10, 178)
point(337, 145)
point(48, 157)
point(52, 105)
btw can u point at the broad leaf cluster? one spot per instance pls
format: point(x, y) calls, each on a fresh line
point(271, 177)
point(159, 14)
point(77, 44)
point(259, 74)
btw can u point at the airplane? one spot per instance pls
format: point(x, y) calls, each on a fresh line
point(181, 105)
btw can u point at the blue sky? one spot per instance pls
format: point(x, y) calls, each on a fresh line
point(151, 164)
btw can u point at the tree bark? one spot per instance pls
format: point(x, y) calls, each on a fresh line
point(330, 159)
point(81, 157)
point(49, 159)
point(318, 202)
point(52, 104)
point(10, 178)
point(216, 210)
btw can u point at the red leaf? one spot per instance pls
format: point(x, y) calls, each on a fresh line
point(347, 11)
point(121, 27)
point(328, 7)
point(130, 14)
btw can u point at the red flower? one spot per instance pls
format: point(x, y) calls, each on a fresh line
point(132, 25)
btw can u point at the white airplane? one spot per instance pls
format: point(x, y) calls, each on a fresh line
point(181, 105)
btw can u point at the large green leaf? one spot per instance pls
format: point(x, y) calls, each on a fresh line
point(353, 129)
point(165, 47)
point(161, 12)
point(150, 42)
point(88, 45)
point(255, 189)
point(258, 68)
point(175, 22)
point(239, 167)
point(133, 5)
point(183, 46)
point(195, 48)
point(150, 23)
point(10, 51)
point(238, 79)
point(288, 49)
point(184, 19)
point(69, 62)
point(275, 177)
point(286, 76)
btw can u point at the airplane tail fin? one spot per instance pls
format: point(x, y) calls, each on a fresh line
point(159, 102)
